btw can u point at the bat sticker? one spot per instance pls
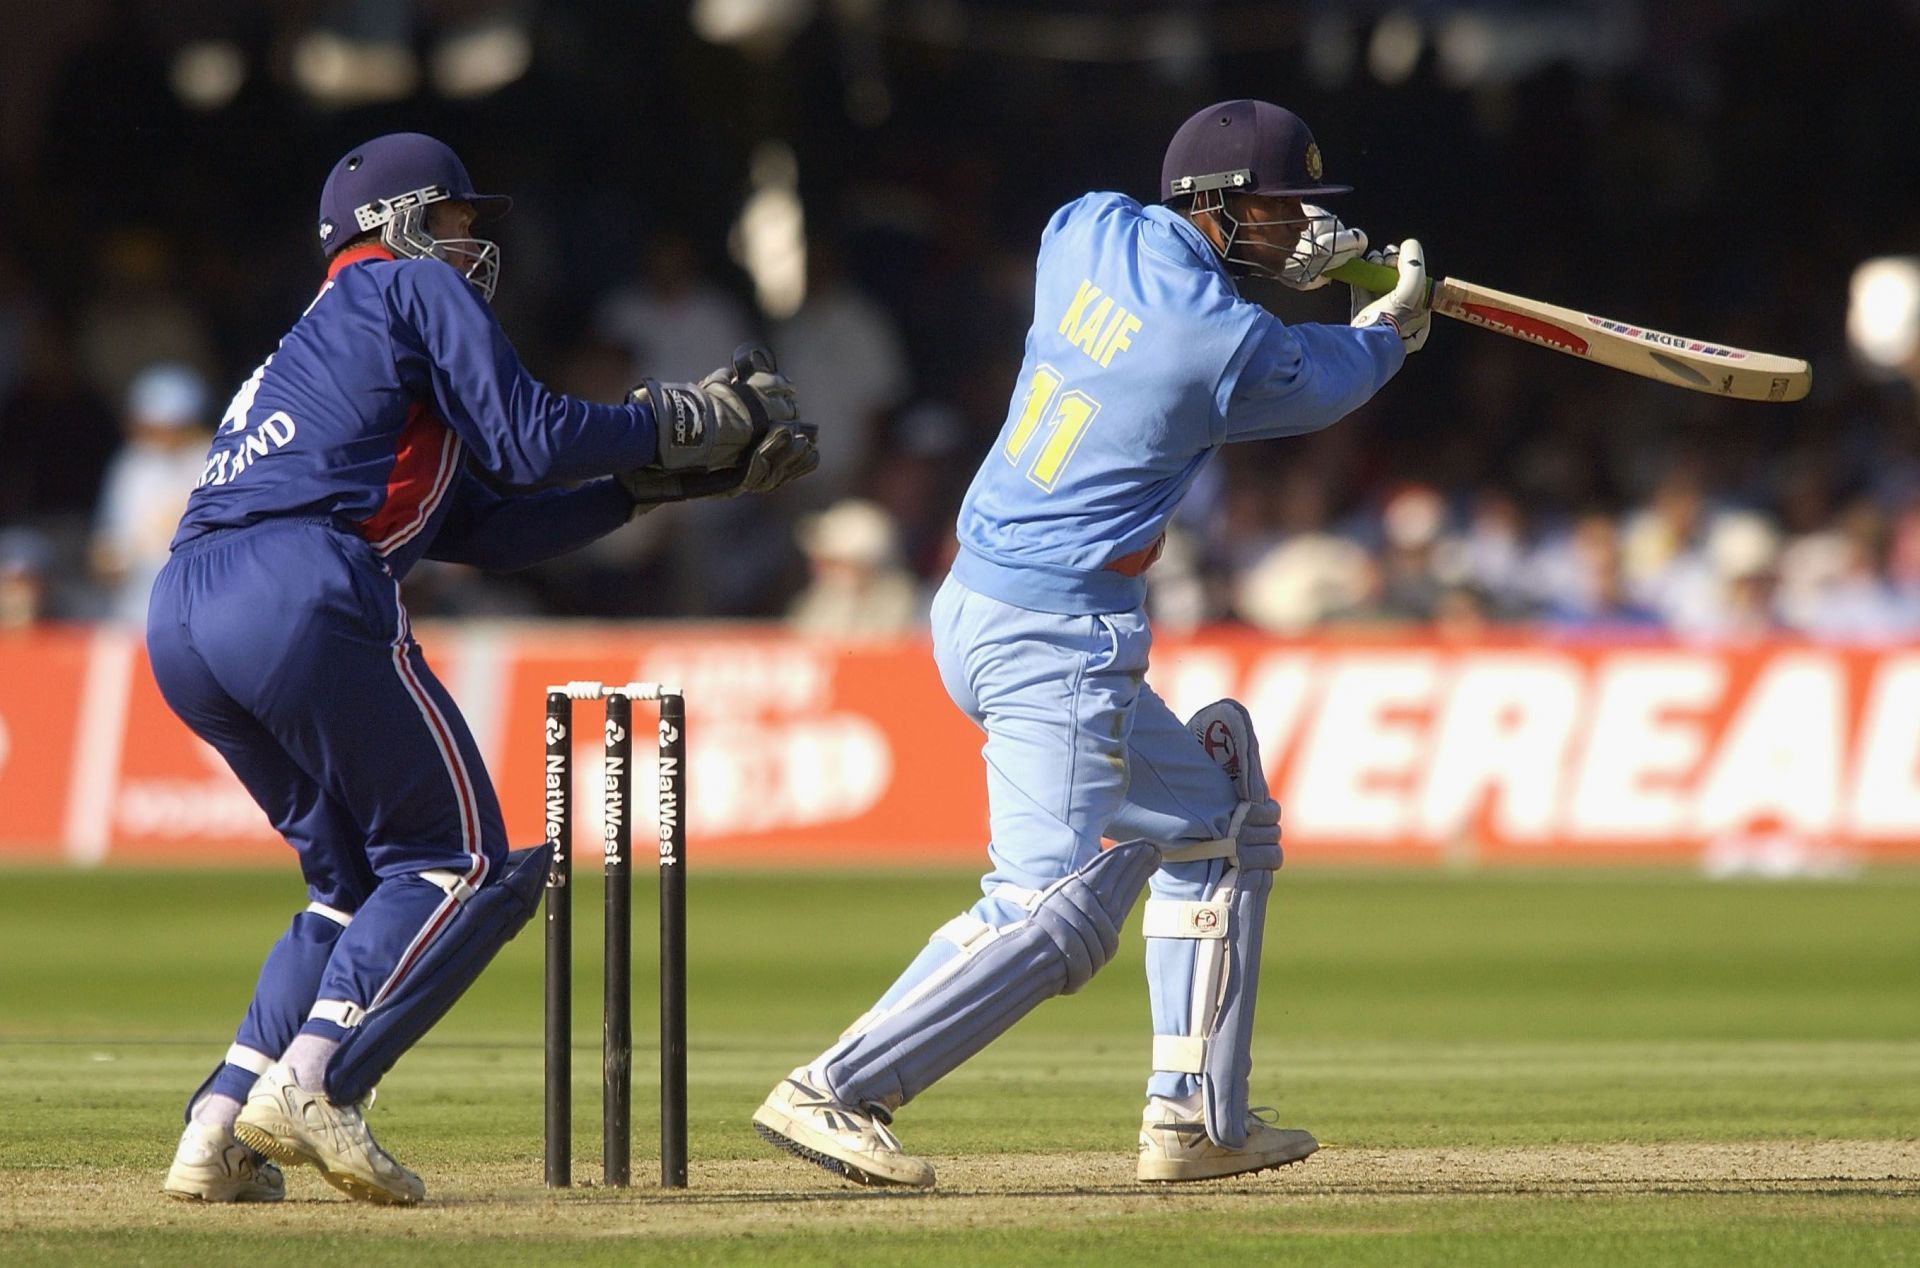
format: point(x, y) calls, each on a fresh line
point(1520, 325)
point(1665, 340)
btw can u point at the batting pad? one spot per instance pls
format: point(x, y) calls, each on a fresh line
point(1227, 931)
point(1001, 975)
point(486, 922)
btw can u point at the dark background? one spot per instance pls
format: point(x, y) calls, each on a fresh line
point(1712, 170)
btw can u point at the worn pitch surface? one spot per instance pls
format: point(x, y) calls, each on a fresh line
point(1503, 1069)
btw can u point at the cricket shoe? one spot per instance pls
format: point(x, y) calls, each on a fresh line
point(292, 1125)
point(211, 1166)
point(801, 1117)
point(1174, 1145)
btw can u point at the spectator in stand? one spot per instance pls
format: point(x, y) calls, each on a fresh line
point(1249, 510)
point(727, 556)
point(1661, 550)
point(1304, 582)
point(673, 321)
point(1833, 584)
point(1599, 600)
point(136, 317)
point(1460, 615)
point(1903, 555)
point(1742, 553)
point(859, 587)
point(1412, 521)
point(25, 560)
point(1178, 598)
point(919, 481)
point(846, 347)
point(627, 573)
point(147, 483)
point(1303, 573)
point(1490, 557)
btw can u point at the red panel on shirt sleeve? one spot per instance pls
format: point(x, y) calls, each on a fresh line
point(426, 459)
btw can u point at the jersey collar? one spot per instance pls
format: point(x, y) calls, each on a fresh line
point(1188, 234)
point(355, 255)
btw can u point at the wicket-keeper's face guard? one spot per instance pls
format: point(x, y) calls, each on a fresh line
point(402, 222)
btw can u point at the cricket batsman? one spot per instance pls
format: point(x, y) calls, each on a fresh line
point(393, 423)
point(1142, 360)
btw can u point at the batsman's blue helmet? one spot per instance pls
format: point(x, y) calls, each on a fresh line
point(390, 174)
point(1244, 147)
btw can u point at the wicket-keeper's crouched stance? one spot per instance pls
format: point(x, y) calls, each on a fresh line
point(1143, 359)
point(394, 422)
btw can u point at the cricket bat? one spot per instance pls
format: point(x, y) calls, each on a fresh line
point(1652, 354)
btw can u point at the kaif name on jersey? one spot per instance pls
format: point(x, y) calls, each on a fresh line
point(1098, 326)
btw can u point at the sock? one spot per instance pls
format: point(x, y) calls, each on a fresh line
point(307, 1057)
point(216, 1109)
point(1188, 1106)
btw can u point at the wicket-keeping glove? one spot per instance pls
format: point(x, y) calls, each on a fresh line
point(707, 426)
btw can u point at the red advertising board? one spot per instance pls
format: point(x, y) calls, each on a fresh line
point(824, 753)
point(42, 680)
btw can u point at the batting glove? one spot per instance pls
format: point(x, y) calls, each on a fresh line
point(1407, 307)
point(1326, 244)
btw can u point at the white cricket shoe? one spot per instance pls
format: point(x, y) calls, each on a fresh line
point(211, 1166)
point(801, 1117)
point(286, 1122)
point(1174, 1145)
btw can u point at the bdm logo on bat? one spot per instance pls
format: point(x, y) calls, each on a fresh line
point(1665, 340)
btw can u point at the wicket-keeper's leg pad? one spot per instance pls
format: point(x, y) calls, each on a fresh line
point(1225, 928)
point(289, 980)
point(485, 922)
point(1069, 932)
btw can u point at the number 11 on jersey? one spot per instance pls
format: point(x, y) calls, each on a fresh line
point(1065, 421)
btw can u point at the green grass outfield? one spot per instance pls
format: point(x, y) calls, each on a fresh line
point(1503, 1069)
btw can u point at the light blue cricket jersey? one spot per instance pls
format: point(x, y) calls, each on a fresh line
point(1141, 361)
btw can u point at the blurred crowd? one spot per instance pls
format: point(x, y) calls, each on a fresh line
point(1493, 484)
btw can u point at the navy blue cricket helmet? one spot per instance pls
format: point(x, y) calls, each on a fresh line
point(388, 183)
point(1252, 147)
point(1245, 147)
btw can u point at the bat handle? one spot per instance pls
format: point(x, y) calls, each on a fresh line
point(1368, 276)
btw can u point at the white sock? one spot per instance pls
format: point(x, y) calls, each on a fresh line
point(307, 1057)
point(1188, 1105)
point(216, 1109)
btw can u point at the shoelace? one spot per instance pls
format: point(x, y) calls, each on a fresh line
point(1263, 1113)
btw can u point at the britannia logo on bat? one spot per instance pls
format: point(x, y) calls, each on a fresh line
point(1520, 326)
